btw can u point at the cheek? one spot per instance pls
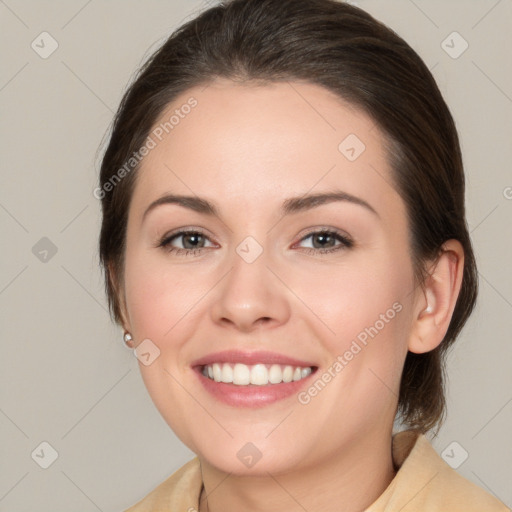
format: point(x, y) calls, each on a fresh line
point(160, 302)
point(367, 309)
point(351, 298)
point(157, 295)
point(146, 299)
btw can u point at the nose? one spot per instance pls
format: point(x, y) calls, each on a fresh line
point(250, 297)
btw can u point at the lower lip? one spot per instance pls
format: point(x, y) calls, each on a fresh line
point(252, 395)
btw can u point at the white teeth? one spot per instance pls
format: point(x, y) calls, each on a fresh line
point(275, 374)
point(217, 372)
point(258, 374)
point(287, 374)
point(227, 373)
point(304, 372)
point(241, 374)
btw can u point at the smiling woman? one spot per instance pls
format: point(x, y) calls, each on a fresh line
point(292, 260)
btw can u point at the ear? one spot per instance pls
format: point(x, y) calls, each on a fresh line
point(119, 291)
point(436, 300)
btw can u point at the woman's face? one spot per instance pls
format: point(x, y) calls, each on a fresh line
point(269, 277)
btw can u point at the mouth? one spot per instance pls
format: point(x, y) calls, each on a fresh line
point(260, 374)
point(245, 379)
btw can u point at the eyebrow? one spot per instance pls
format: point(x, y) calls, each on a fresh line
point(289, 206)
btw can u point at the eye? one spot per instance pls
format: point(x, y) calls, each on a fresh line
point(192, 242)
point(327, 240)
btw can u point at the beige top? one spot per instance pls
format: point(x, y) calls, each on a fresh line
point(423, 482)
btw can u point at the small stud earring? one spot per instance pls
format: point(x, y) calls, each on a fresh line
point(127, 338)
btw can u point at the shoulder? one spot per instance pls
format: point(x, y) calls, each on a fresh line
point(178, 493)
point(424, 481)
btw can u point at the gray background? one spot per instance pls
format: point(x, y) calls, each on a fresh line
point(66, 377)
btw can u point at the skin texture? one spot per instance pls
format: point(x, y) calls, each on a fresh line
point(247, 148)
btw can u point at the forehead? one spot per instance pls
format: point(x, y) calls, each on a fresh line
point(255, 144)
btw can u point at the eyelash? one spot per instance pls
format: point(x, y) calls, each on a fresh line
point(346, 242)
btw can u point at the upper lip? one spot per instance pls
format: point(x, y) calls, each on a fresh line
point(250, 358)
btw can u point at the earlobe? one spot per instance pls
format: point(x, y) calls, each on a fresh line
point(437, 298)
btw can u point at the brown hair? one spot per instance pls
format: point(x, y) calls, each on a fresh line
point(347, 51)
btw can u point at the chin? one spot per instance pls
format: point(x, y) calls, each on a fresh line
point(249, 460)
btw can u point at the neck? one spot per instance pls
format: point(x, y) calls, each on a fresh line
point(342, 482)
